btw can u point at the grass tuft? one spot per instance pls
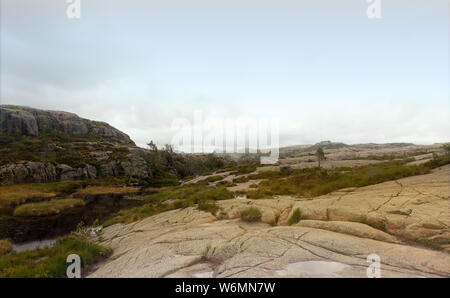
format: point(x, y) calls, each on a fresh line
point(295, 217)
point(209, 206)
point(251, 214)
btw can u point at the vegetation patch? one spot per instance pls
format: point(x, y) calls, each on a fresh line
point(241, 179)
point(226, 183)
point(245, 169)
point(162, 177)
point(214, 178)
point(295, 217)
point(100, 190)
point(14, 195)
point(5, 246)
point(179, 197)
point(259, 194)
point(251, 214)
point(56, 147)
point(51, 262)
point(269, 175)
point(54, 206)
point(315, 181)
point(209, 206)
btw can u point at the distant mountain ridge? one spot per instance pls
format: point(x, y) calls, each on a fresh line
point(297, 149)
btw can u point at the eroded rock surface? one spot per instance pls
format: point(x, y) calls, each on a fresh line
point(192, 243)
point(337, 233)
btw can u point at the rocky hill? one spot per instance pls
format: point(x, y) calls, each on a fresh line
point(47, 146)
point(25, 121)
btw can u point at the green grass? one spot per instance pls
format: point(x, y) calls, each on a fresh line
point(389, 157)
point(241, 179)
point(214, 178)
point(45, 208)
point(57, 147)
point(438, 162)
point(103, 189)
point(259, 193)
point(209, 206)
point(51, 262)
point(251, 214)
point(162, 177)
point(245, 169)
point(226, 183)
point(182, 197)
point(315, 182)
point(268, 175)
point(295, 217)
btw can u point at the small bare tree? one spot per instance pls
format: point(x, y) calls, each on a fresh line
point(168, 148)
point(320, 155)
point(152, 146)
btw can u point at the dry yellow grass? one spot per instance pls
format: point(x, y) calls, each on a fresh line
point(47, 208)
point(14, 195)
point(99, 190)
point(5, 246)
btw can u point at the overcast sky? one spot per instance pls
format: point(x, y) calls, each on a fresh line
point(322, 67)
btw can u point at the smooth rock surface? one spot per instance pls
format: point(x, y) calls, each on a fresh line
point(183, 243)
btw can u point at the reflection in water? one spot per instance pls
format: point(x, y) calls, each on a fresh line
point(314, 268)
point(33, 245)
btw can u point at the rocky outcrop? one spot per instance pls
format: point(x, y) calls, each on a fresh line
point(135, 164)
point(32, 172)
point(37, 172)
point(17, 120)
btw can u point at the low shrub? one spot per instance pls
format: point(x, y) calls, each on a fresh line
point(209, 206)
point(251, 214)
point(214, 178)
point(295, 217)
point(259, 194)
point(242, 179)
point(286, 170)
point(245, 169)
point(225, 183)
